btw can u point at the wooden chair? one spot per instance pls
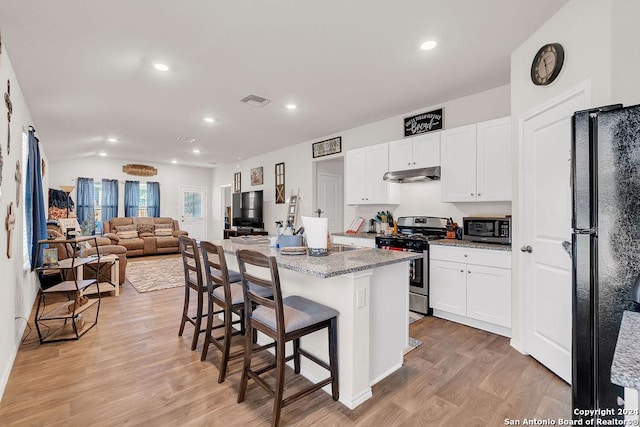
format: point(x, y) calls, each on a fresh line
point(283, 320)
point(192, 280)
point(225, 291)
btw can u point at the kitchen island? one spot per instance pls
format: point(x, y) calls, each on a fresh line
point(370, 290)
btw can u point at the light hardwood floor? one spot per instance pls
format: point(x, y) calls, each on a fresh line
point(133, 369)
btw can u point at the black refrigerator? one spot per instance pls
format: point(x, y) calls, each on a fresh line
point(605, 247)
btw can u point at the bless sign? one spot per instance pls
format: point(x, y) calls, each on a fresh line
point(425, 122)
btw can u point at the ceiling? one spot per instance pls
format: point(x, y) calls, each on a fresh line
point(85, 68)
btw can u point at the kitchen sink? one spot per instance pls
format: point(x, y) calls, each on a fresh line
point(343, 248)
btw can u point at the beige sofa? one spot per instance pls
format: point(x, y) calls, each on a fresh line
point(144, 236)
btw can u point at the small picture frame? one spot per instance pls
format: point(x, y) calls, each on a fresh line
point(256, 176)
point(50, 256)
point(327, 147)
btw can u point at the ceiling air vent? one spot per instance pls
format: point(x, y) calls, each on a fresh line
point(255, 100)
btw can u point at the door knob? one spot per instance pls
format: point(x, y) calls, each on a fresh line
point(526, 248)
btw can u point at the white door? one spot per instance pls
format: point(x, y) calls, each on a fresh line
point(546, 216)
point(193, 211)
point(329, 199)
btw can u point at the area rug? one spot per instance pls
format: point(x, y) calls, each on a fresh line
point(156, 274)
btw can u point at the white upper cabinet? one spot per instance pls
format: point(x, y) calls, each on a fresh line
point(458, 164)
point(493, 149)
point(415, 152)
point(364, 169)
point(476, 162)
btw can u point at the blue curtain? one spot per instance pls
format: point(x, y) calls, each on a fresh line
point(109, 199)
point(131, 198)
point(85, 211)
point(153, 199)
point(34, 201)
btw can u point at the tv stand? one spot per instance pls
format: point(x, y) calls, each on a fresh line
point(244, 232)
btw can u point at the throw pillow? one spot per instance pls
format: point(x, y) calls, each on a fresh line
point(163, 232)
point(145, 228)
point(167, 226)
point(123, 235)
point(130, 227)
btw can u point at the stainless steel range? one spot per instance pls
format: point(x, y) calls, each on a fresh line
point(414, 233)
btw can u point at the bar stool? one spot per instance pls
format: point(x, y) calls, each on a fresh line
point(192, 280)
point(225, 291)
point(283, 320)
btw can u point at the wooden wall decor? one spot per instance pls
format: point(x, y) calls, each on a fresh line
point(43, 165)
point(18, 176)
point(9, 104)
point(139, 170)
point(10, 224)
point(256, 176)
point(280, 183)
point(237, 184)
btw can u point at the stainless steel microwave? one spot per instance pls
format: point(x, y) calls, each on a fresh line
point(487, 229)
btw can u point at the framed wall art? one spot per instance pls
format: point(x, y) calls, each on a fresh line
point(256, 176)
point(237, 182)
point(327, 147)
point(280, 183)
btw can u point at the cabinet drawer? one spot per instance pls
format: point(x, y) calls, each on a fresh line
point(488, 257)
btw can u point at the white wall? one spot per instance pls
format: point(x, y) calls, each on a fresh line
point(593, 45)
point(19, 288)
point(170, 177)
point(298, 160)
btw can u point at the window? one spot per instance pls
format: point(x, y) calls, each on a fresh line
point(97, 205)
point(142, 206)
point(23, 195)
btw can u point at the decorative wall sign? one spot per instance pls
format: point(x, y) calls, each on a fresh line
point(139, 170)
point(327, 147)
point(280, 183)
point(425, 122)
point(10, 223)
point(18, 176)
point(256, 176)
point(9, 104)
point(237, 182)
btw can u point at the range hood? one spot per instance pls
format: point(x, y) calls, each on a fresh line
point(414, 175)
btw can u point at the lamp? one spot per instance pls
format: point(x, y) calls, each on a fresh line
point(67, 189)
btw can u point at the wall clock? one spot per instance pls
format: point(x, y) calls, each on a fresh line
point(547, 64)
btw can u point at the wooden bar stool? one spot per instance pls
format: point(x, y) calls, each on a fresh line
point(192, 280)
point(283, 320)
point(224, 290)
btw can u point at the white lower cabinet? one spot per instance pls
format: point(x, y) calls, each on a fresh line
point(471, 286)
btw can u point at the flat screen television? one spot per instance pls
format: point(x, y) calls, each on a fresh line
point(247, 209)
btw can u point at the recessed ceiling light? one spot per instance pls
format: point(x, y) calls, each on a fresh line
point(196, 151)
point(174, 161)
point(428, 45)
point(112, 139)
point(291, 106)
point(209, 119)
point(186, 139)
point(161, 67)
point(102, 154)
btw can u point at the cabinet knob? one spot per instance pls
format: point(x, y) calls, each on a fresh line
point(468, 271)
point(414, 163)
point(465, 255)
point(471, 194)
point(479, 194)
point(461, 271)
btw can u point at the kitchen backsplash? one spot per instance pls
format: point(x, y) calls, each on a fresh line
point(425, 199)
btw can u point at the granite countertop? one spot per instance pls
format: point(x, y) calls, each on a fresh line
point(335, 264)
point(358, 235)
point(469, 244)
point(625, 369)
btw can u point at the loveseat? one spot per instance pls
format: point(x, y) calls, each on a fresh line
point(143, 235)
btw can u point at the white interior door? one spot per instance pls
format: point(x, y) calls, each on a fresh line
point(546, 216)
point(193, 211)
point(329, 199)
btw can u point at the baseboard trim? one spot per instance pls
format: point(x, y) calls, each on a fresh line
point(474, 323)
point(4, 380)
point(385, 374)
point(518, 346)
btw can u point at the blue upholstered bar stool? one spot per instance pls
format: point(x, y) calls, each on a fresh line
point(282, 320)
point(192, 280)
point(225, 291)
